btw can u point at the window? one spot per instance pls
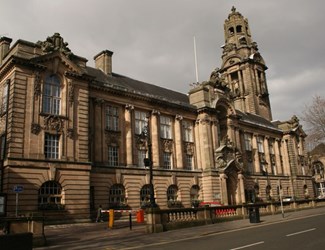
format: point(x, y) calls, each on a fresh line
point(51, 147)
point(187, 131)
point(260, 146)
point(248, 142)
point(52, 95)
point(112, 156)
point(165, 127)
point(140, 121)
point(50, 196)
point(4, 100)
point(112, 117)
point(189, 162)
point(271, 148)
point(117, 197)
point(145, 196)
point(2, 146)
point(238, 28)
point(141, 156)
point(194, 193)
point(167, 160)
point(172, 193)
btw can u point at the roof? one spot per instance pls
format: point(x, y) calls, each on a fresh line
point(138, 87)
point(256, 120)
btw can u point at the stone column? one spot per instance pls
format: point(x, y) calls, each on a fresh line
point(256, 157)
point(241, 190)
point(224, 192)
point(267, 154)
point(205, 141)
point(179, 142)
point(129, 132)
point(278, 156)
point(197, 144)
point(154, 129)
point(214, 129)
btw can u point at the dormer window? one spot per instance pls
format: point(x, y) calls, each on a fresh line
point(52, 95)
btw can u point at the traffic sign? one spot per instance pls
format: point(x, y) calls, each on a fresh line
point(18, 188)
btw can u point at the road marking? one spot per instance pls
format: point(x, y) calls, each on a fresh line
point(301, 232)
point(250, 245)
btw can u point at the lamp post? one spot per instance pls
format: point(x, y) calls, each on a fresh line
point(148, 161)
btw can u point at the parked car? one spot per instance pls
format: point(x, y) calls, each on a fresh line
point(210, 204)
point(287, 198)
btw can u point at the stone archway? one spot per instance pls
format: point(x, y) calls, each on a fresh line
point(232, 188)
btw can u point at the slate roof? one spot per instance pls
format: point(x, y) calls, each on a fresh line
point(257, 120)
point(138, 87)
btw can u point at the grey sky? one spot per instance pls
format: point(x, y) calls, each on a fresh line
point(152, 40)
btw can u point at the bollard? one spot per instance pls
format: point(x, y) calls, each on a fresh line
point(130, 220)
point(111, 218)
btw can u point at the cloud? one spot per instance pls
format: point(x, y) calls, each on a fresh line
point(152, 40)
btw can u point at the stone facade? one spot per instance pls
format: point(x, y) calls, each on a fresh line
point(74, 136)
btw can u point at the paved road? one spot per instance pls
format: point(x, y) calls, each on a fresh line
point(97, 236)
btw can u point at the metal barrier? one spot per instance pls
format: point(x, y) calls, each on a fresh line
point(139, 216)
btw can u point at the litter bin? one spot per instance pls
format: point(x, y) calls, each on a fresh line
point(254, 214)
point(140, 216)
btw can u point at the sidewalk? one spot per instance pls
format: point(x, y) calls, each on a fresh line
point(98, 236)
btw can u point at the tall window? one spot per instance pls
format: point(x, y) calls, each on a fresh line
point(51, 147)
point(117, 196)
point(140, 121)
point(50, 195)
point(52, 95)
point(187, 131)
point(248, 142)
point(112, 117)
point(165, 127)
point(260, 144)
point(4, 99)
point(189, 162)
point(141, 156)
point(112, 156)
point(167, 160)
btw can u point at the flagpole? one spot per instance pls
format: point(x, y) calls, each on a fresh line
point(195, 59)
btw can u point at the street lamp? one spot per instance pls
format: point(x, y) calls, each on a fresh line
point(148, 161)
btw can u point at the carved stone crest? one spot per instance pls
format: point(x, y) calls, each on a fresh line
point(55, 43)
point(53, 122)
point(35, 128)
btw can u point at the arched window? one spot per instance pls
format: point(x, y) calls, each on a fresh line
point(145, 196)
point(172, 196)
point(194, 195)
point(238, 28)
point(117, 197)
point(231, 31)
point(52, 95)
point(50, 196)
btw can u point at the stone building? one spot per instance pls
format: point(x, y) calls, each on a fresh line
point(75, 136)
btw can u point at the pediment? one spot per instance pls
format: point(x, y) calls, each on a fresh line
point(231, 61)
point(54, 59)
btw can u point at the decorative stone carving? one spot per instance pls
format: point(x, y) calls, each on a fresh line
point(155, 112)
point(178, 117)
point(129, 107)
point(71, 91)
point(37, 85)
point(98, 101)
point(70, 133)
point(53, 122)
point(55, 43)
point(35, 128)
point(189, 148)
point(112, 138)
point(167, 145)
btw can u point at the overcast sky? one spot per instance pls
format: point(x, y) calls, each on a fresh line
point(152, 40)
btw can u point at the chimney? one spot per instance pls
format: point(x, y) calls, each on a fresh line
point(103, 61)
point(4, 47)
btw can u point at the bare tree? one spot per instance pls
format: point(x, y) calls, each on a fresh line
point(314, 118)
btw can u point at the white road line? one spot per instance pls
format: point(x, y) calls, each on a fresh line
point(301, 232)
point(250, 245)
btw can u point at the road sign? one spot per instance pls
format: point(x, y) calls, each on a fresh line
point(18, 189)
